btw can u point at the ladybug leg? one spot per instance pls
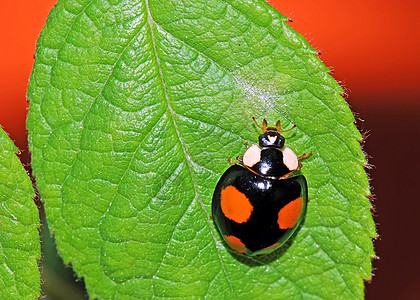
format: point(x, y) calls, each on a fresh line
point(303, 156)
point(287, 175)
point(246, 145)
point(230, 161)
point(240, 159)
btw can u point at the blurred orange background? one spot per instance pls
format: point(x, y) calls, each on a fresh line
point(373, 48)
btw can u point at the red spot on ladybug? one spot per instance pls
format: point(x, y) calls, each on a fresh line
point(289, 215)
point(235, 243)
point(235, 205)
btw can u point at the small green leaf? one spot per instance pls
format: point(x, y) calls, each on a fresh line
point(135, 108)
point(19, 220)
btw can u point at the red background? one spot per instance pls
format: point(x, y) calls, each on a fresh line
point(373, 49)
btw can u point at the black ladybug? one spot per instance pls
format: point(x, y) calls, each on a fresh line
point(258, 204)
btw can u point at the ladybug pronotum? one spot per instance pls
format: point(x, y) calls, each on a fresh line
point(258, 203)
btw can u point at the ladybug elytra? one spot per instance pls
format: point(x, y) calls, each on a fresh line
point(258, 204)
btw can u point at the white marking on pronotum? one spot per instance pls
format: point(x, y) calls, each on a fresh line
point(290, 159)
point(252, 156)
point(272, 139)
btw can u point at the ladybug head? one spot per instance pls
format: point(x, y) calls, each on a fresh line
point(271, 136)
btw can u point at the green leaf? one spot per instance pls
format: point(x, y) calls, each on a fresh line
point(135, 107)
point(19, 221)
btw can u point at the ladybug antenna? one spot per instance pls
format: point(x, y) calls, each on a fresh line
point(278, 125)
point(264, 127)
point(281, 131)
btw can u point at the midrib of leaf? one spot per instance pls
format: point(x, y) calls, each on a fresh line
point(187, 157)
point(188, 160)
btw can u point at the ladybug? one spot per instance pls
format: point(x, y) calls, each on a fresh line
point(258, 204)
